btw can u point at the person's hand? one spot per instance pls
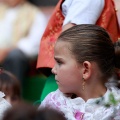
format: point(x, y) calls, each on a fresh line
point(67, 26)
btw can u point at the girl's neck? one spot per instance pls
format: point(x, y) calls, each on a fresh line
point(95, 92)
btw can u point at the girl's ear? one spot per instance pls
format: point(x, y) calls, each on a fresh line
point(87, 70)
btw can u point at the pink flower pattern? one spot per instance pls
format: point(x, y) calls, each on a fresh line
point(78, 109)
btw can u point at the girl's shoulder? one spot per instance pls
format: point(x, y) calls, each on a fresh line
point(54, 99)
point(54, 95)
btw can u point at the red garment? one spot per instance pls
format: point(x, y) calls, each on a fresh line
point(107, 20)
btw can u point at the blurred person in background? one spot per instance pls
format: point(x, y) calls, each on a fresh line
point(21, 27)
point(49, 114)
point(69, 13)
point(22, 111)
point(4, 89)
point(10, 86)
point(25, 111)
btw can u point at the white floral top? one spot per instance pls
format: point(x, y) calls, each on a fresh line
point(78, 109)
point(4, 105)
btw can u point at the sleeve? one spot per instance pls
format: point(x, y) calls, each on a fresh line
point(29, 45)
point(82, 11)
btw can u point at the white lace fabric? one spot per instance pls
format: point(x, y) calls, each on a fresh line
point(4, 105)
point(78, 109)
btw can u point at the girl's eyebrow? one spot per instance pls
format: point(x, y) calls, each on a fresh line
point(57, 58)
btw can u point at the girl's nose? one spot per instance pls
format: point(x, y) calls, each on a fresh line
point(53, 70)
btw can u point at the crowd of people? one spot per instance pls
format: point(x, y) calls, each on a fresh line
point(21, 25)
point(81, 47)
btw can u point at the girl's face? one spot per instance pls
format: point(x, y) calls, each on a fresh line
point(68, 73)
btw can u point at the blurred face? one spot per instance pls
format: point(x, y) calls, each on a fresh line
point(13, 3)
point(68, 73)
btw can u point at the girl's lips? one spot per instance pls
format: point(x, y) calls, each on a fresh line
point(57, 81)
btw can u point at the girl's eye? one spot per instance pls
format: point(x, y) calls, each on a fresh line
point(59, 62)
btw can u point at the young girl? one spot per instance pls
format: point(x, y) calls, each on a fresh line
point(85, 60)
point(69, 13)
point(10, 86)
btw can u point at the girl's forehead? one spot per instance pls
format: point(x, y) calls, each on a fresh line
point(62, 48)
point(61, 44)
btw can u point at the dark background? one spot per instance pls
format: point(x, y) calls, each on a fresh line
point(44, 2)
